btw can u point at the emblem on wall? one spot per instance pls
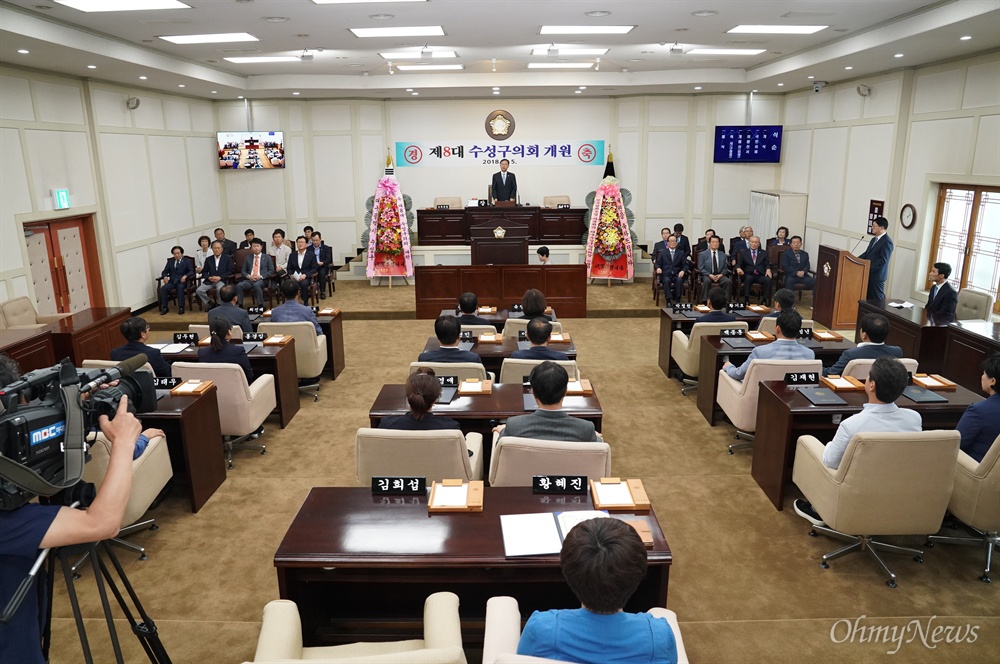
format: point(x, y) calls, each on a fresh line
point(827, 269)
point(499, 125)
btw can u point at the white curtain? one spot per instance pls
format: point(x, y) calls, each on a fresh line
point(764, 215)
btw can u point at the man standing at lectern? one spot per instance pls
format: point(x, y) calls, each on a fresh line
point(878, 252)
point(504, 184)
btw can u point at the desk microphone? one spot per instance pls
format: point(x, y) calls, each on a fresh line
point(860, 240)
point(125, 368)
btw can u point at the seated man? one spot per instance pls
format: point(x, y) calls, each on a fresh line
point(661, 245)
point(703, 244)
point(538, 333)
point(324, 259)
point(136, 331)
point(714, 269)
point(293, 311)
point(784, 300)
point(603, 561)
point(543, 255)
point(216, 272)
point(943, 299)
point(247, 242)
point(885, 384)
point(447, 329)
point(258, 267)
point(717, 304)
point(784, 346)
point(549, 421)
point(175, 277)
point(671, 269)
point(683, 243)
point(302, 267)
point(980, 423)
point(468, 304)
point(753, 265)
point(279, 251)
point(795, 263)
point(874, 330)
point(228, 311)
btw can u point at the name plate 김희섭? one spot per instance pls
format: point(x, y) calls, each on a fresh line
point(399, 486)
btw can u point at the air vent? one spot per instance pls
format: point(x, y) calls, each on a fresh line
point(168, 22)
point(748, 42)
point(237, 51)
point(809, 15)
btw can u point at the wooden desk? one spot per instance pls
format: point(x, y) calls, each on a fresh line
point(88, 334)
point(712, 351)
point(968, 343)
point(279, 361)
point(493, 355)
point(670, 321)
point(333, 330)
point(359, 567)
point(499, 319)
point(920, 335)
point(194, 438)
point(438, 286)
point(783, 415)
point(545, 225)
point(31, 348)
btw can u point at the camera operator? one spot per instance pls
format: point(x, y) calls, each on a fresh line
point(25, 530)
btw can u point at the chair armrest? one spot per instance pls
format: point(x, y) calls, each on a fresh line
point(474, 443)
point(967, 466)
point(261, 383)
point(280, 633)
point(817, 482)
point(50, 319)
point(671, 617)
point(320, 341)
point(442, 626)
point(503, 628)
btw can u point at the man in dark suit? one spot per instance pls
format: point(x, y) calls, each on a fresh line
point(324, 257)
point(740, 243)
point(754, 267)
point(504, 184)
point(176, 274)
point(661, 245)
point(712, 265)
point(703, 245)
point(136, 332)
point(538, 332)
point(468, 304)
point(784, 300)
point(671, 270)
point(795, 264)
point(302, 267)
point(717, 303)
point(878, 252)
point(293, 311)
point(683, 243)
point(874, 331)
point(943, 299)
point(980, 424)
point(447, 329)
point(248, 236)
point(549, 421)
point(228, 310)
point(216, 272)
point(258, 267)
point(228, 246)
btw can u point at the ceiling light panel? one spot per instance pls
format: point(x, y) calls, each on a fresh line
point(428, 67)
point(413, 31)
point(416, 55)
point(358, 2)
point(778, 29)
point(726, 51)
point(221, 38)
point(262, 58)
point(586, 29)
point(560, 65)
point(121, 5)
point(572, 52)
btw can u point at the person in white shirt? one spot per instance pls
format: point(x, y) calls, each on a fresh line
point(202, 252)
point(279, 251)
point(885, 384)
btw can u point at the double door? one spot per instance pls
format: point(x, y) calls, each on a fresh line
point(62, 256)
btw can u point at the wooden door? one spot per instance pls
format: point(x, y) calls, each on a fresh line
point(62, 255)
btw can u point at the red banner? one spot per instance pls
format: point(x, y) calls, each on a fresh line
point(389, 265)
point(602, 269)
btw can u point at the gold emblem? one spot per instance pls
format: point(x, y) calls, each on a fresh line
point(499, 125)
point(499, 232)
point(826, 269)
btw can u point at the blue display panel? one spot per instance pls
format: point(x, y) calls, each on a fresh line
point(753, 144)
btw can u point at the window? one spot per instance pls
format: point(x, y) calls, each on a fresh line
point(967, 237)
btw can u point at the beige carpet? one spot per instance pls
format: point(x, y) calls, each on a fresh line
point(745, 583)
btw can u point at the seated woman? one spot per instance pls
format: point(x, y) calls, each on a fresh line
point(422, 390)
point(534, 305)
point(220, 350)
point(780, 238)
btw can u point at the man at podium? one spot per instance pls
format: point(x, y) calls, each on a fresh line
point(878, 252)
point(504, 184)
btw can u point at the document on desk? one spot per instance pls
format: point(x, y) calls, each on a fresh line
point(540, 534)
point(901, 305)
point(451, 496)
point(174, 348)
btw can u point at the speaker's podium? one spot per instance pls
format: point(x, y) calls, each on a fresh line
point(499, 241)
point(841, 280)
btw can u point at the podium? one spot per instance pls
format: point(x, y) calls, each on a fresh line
point(499, 241)
point(841, 280)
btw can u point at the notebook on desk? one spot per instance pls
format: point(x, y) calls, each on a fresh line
point(466, 345)
point(746, 313)
point(249, 345)
point(523, 345)
point(821, 396)
point(922, 395)
point(809, 343)
point(529, 402)
point(737, 342)
point(693, 314)
point(447, 395)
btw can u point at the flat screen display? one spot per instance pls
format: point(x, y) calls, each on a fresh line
point(250, 150)
point(748, 144)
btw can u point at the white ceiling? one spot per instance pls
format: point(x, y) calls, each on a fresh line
point(863, 35)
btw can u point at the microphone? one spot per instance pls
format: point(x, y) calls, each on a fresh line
point(860, 240)
point(125, 368)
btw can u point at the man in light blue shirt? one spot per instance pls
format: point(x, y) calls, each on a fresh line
point(292, 311)
point(784, 347)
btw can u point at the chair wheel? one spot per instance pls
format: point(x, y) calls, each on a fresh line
point(154, 527)
point(929, 544)
point(729, 452)
point(263, 452)
point(985, 579)
point(231, 467)
point(825, 565)
point(143, 556)
point(891, 583)
point(918, 559)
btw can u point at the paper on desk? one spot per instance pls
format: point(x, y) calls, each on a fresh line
point(569, 519)
point(530, 534)
point(157, 346)
point(574, 386)
point(174, 348)
point(451, 496)
point(188, 387)
point(556, 337)
point(823, 335)
point(613, 494)
point(841, 383)
point(929, 382)
point(901, 305)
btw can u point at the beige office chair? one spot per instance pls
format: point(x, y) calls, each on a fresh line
point(517, 371)
point(886, 484)
point(973, 305)
point(280, 639)
point(453, 202)
point(436, 455)
point(203, 332)
point(739, 399)
point(310, 351)
point(150, 473)
point(242, 408)
point(770, 325)
point(514, 325)
point(20, 313)
point(463, 370)
point(503, 632)
point(110, 364)
point(686, 350)
point(860, 368)
point(975, 501)
point(554, 201)
point(479, 329)
point(515, 460)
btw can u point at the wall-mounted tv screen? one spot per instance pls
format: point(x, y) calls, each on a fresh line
point(748, 144)
point(245, 150)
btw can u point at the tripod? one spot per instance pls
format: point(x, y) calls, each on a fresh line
point(145, 630)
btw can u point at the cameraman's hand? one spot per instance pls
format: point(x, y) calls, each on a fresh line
point(125, 426)
point(153, 433)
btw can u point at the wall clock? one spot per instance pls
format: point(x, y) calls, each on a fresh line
point(908, 216)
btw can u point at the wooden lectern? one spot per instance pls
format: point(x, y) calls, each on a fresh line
point(841, 280)
point(491, 246)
